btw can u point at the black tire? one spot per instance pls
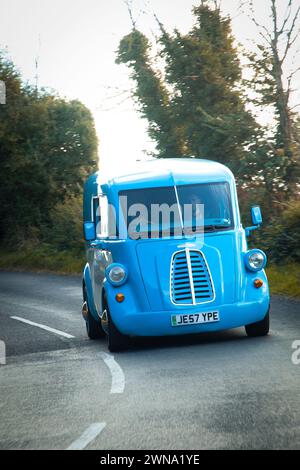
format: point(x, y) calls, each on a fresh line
point(93, 328)
point(116, 340)
point(260, 328)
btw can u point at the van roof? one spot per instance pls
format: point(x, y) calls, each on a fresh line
point(166, 171)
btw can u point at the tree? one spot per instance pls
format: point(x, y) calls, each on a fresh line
point(274, 86)
point(195, 106)
point(47, 147)
point(152, 94)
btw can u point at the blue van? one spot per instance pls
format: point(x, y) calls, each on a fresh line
point(167, 274)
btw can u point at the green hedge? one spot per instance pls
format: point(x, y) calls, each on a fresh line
point(280, 236)
point(42, 258)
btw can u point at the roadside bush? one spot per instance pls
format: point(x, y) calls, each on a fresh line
point(55, 246)
point(280, 237)
point(64, 231)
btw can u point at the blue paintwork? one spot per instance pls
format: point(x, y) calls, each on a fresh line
point(89, 231)
point(147, 308)
point(256, 215)
point(256, 220)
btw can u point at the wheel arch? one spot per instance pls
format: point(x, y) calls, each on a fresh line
point(87, 282)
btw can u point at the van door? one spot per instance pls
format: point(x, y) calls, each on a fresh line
point(101, 258)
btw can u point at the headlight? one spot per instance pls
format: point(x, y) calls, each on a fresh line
point(116, 274)
point(255, 260)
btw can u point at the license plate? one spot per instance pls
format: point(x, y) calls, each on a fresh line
point(195, 318)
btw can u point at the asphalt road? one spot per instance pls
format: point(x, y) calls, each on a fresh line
point(212, 391)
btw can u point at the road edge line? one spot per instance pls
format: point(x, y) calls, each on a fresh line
point(87, 436)
point(117, 374)
point(43, 327)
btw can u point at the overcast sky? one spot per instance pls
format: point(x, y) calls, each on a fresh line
point(76, 42)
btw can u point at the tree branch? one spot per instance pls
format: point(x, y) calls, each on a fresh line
point(287, 15)
point(295, 106)
point(128, 4)
point(262, 30)
point(291, 41)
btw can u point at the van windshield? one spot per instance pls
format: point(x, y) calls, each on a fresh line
point(171, 210)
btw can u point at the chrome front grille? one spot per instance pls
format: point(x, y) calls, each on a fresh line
point(191, 283)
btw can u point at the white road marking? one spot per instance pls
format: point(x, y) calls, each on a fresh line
point(117, 374)
point(44, 327)
point(88, 436)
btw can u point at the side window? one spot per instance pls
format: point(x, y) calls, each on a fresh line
point(103, 224)
point(96, 213)
point(100, 215)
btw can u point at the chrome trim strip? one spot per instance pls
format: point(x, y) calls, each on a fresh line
point(189, 266)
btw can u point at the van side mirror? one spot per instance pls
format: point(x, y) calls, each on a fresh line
point(256, 219)
point(256, 215)
point(89, 231)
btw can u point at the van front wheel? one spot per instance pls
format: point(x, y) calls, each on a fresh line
point(93, 328)
point(260, 328)
point(116, 340)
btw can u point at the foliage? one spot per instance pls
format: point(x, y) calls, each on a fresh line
point(152, 94)
point(196, 107)
point(56, 246)
point(64, 228)
point(280, 236)
point(197, 103)
point(47, 147)
point(41, 258)
point(273, 87)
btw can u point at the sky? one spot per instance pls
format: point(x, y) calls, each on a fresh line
point(75, 44)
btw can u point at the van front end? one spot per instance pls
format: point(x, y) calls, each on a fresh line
point(167, 254)
point(186, 288)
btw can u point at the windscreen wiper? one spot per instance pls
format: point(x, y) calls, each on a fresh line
point(213, 228)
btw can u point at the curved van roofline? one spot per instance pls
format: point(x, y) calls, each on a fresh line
point(166, 171)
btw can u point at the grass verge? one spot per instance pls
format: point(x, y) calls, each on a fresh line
point(42, 259)
point(284, 279)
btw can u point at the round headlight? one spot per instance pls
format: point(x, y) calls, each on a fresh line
point(116, 274)
point(255, 260)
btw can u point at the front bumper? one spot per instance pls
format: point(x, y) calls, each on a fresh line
point(131, 322)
